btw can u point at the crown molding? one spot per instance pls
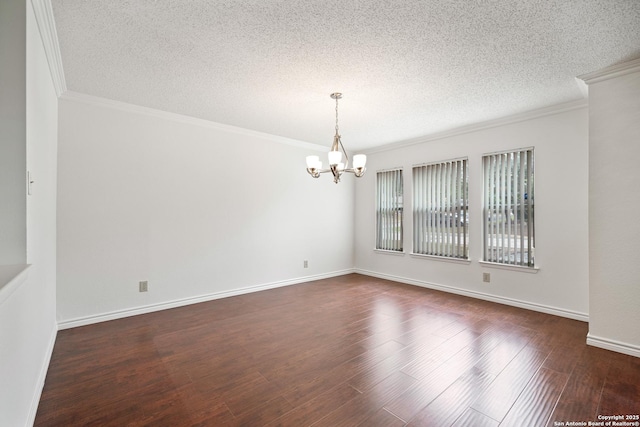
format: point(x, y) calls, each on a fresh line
point(583, 87)
point(180, 118)
point(533, 114)
point(46, 25)
point(611, 72)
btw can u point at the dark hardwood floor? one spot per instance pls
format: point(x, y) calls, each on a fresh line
point(348, 351)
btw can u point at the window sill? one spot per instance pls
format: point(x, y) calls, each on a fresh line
point(442, 258)
point(384, 251)
point(511, 267)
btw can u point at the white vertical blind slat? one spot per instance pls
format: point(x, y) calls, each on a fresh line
point(465, 199)
point(432, 223)
point(450, 229)
point(445, 201)
point(417, 208)
point(437, 215)
point(387, 209)
point(491, 216)
point(455, 234)
point(491, 207)
point(396, 212)
point(530, 207)
point(485, 210)
point(531, 189)
point(421, 205)
point(522, 202)
point(378, 207)
point(439, 208)
point(502, 202)
point(509, 209)
point(389, 200)
point(514, 202)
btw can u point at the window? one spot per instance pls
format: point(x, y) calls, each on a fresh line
point(440, 209)
point(509, 208)
point(389, 210)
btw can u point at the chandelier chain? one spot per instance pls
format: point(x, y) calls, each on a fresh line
point(336, 115)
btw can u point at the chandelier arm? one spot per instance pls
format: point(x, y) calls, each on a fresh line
point(346, 163)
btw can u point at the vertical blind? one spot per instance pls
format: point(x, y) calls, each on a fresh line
point(440, 209)
point(509, 208)
point(389, 210)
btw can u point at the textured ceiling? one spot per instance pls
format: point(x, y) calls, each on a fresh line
point(407, 68)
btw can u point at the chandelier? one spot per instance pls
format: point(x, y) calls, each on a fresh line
point(336, 166)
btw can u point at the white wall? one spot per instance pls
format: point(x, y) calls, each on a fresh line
point(561, 155)
point(197, 210)
point(12, 137)
point(614, 150)
point(27, 315)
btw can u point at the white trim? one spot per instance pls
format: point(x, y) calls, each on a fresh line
point(556, 311)
point(509, 151)
point(439, 162)
point(134, 311)
point(398, 168)
point(613, 345)
point(583, 87)
point(466, 261)
point(611, 72)
point(47, 27)
point(35, 400)
point(512, 267)
point(534, 114)
point(389, 252)
point(179, 118)
point(11, 277)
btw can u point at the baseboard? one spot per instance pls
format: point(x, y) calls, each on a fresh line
point(613, 345)
point(35, 400)
point(119, 314)
point(480, 295)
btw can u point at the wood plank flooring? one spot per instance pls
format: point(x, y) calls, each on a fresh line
point(347, 351)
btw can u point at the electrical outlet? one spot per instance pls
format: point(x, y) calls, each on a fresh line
point(486, 277)
point(306, 264)
point(144, 286)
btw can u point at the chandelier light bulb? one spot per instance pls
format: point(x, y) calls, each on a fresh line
point(359, 160)
point(334, 157)
point(312, 161)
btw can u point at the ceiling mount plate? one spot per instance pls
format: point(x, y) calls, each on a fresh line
point(336, 95)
